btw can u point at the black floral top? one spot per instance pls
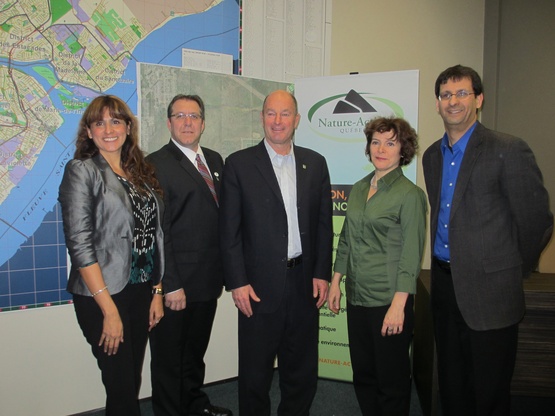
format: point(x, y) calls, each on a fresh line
point(144, 235)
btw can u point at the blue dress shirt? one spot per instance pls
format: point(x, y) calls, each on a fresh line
point(452, 159)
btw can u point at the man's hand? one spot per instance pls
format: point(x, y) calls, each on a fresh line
point(242, 298)
point(176, 300)
point(320, 291)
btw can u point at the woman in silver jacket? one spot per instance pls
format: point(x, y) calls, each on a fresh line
point(112, 215)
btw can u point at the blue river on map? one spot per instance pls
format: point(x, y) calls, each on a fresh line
point(36, 194)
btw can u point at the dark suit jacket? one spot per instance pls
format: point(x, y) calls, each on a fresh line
point(98, 225)
point(253, 223)
point(500, 223)
point(190, 225)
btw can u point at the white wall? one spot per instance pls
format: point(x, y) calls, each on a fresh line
point(47, 367)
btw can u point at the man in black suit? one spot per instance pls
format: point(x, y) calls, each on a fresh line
point(490, 221)
point(276, 240)
point(190, 178)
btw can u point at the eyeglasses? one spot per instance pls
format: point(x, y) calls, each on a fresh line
point(183, 116)
point(461, 95)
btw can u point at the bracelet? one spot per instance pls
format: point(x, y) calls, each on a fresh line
point(157, 291)
point(99, 291)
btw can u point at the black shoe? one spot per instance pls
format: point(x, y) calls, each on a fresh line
point(212, 410)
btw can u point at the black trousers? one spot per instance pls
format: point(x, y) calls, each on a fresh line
point(177, 348)
point(121, 373)
point(475, 368)
point(291, 334)
point(381, 365)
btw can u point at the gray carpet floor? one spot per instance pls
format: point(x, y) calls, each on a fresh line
point(333, 398)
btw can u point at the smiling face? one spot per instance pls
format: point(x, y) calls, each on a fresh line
point(458, 114)
point(186, 130)
point(279, 120)
point(385, 152)
point(108, 134)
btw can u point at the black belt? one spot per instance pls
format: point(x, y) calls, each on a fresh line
point(443, 265)
point(294, 262)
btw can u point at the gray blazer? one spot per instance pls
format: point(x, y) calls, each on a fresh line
point(500, 223)
point(98, 225)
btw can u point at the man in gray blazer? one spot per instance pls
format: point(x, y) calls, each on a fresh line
point(190, 178)
point(490, 221)
point(276, 240)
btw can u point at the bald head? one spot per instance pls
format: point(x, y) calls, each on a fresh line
point(279, 120)
point(284, 95)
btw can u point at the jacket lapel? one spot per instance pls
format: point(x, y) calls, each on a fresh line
point(264, 165)
point(190, 169)
point(471, 155)
point(302, 172)
point(111, 180)
point(436, 170)
point(213, 166)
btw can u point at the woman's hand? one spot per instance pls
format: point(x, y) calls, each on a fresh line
point(112, 332)
point(395, 316)
point(156, 311)
point(334, 294)
point(112, 327)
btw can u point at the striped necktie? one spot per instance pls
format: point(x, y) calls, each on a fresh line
point(203, 170)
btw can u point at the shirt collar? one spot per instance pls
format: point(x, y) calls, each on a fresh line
point(191, 154)
point(461, 144)
point(272, 153)
point(391, 177)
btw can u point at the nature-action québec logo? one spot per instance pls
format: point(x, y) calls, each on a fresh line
point(342, 117)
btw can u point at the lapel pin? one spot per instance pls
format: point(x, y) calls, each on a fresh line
point(304, 166)
point(217, 176)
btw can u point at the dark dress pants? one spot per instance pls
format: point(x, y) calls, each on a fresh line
point(381, 365)
point(475, 368)
point(121, 372)
point(291, 334)
point(177, 348)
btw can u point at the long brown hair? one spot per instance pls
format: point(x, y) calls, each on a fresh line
point(138, 170)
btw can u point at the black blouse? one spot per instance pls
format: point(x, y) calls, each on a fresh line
point(144, 234)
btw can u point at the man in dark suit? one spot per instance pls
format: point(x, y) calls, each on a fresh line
point(490, 221)
point(190, 179)
point(276, 240)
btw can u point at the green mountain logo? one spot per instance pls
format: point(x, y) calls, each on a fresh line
point(342, 117)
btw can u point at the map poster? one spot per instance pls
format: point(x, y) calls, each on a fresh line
point(334, 112)
point(55, 57)
point(232, 106)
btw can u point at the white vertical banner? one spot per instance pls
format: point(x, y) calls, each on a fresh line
point(334, 111)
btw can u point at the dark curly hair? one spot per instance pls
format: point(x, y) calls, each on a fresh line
point(456, 73)
point(403, 132)
point(138, 170)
